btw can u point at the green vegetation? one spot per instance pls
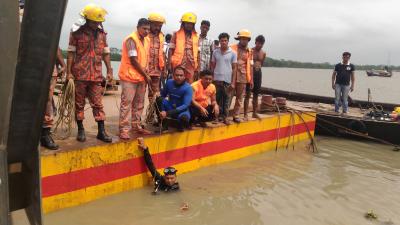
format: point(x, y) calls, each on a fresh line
point(114, 56)
point(270, 62)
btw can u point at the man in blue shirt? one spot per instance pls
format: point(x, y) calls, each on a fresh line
point(175, 100)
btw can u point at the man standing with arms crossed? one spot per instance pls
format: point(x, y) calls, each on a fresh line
point(184, 48)
point(343, 82)
point(224, 63)
point(244, 72)
point(87, 48)
point(134, 79)
point(258, 59)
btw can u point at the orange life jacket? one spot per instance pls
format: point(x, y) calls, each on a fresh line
point(161, 61)
point(126, 71)
point(179, 51)
point(248, 63)
point(201, 95)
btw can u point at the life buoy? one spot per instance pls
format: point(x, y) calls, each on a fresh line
point(358, 126)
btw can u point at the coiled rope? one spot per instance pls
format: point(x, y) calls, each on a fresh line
point(66, 111)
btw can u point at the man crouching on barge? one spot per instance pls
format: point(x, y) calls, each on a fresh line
point(166, 182)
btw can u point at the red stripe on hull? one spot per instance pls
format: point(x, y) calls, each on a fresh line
point(68, 182)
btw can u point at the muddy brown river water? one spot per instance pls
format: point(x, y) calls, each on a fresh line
point(335, 186)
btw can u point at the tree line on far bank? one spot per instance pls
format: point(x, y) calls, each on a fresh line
point(270, 62)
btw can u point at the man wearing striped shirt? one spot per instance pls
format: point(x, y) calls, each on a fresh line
point(205, 46)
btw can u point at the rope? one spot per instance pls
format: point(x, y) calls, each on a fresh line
point(279, 127)
point(150, 111)
point(313, 144)
point(290, 131)
point(66, 110)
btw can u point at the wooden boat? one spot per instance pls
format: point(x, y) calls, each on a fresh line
point(379, 73)
point(332, 123)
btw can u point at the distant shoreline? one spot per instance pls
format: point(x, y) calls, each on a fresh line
point(282, 63)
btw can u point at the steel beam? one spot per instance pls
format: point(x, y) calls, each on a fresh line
point(40, 32)
point(9, 30)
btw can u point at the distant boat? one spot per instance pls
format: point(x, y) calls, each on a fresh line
point(379, 73)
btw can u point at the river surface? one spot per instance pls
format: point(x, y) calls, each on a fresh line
point(335, 186)
point(318, 82)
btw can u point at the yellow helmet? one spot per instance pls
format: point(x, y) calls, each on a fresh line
point(87, 8)
point(94, 13)
point(243, 33)
point(189, 17)
point(156, 17)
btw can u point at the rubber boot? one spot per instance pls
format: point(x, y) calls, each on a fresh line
point(101, 134)
point(46, 140)
point(255, 107)
point(81, 131)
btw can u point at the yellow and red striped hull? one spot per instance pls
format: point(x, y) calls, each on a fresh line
point(79, 176)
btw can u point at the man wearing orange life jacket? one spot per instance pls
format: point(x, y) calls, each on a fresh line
point(156, 67)
point(244, 72)
point(204, 103)
point(184, 47)
point(134, 79)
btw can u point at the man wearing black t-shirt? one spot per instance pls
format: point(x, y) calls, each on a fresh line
point(343, 82)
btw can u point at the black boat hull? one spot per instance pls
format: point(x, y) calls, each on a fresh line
point(384, 130)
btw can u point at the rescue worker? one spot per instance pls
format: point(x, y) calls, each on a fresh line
point(87, 48)
point(166, 182)
point(46, 140)
point(179, 94)
point(204, 103)
point(244, 72)
point(134, 79)
point(184, 47)
point(259, 56)
point(156, 67)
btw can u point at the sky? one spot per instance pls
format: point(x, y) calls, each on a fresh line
point(301, 30)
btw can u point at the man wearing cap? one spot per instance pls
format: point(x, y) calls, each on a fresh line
point(184, 47)
point(87, 48)
point(166, 182)
point(156, 66)
point(134, 79)
point(244, 72)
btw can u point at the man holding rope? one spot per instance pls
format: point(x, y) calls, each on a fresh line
point(87, 48)
point(134, 79)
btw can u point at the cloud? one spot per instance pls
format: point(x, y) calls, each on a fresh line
point(304, 30)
